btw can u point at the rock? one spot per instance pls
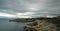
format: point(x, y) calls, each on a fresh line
point(39, 25)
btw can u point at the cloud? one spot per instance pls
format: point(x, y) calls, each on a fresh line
point(7, 15)
point(30, 8)
point(27, 13)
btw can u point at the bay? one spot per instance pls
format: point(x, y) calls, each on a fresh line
point(5, 25)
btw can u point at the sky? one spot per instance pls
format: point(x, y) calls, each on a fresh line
point(29, 8)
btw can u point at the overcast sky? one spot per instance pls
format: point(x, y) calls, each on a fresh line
point(29, 8)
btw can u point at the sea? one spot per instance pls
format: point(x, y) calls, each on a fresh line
point(5, 25)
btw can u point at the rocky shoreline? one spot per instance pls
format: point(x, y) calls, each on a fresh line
point(39, 25)
point(44, 24)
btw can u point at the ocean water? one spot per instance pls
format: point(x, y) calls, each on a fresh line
point(5, 25)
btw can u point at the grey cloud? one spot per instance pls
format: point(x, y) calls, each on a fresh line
point(49, 7)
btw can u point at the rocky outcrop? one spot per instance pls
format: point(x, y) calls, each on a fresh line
point(23, 20)
point(39, 25)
